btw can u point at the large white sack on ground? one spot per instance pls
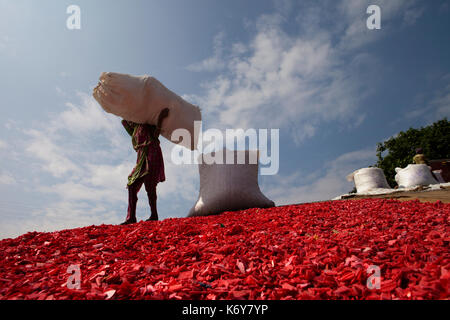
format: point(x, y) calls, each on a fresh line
point(229, 187)
point(414, 175)
point(141, 98)
point(367, 179)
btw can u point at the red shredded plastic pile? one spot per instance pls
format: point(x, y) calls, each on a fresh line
point(309, 251)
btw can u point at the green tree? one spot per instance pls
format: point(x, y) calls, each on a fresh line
point(433, 139)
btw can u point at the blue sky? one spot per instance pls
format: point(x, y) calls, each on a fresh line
point(310, 68)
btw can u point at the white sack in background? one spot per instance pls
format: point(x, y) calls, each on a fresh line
point(141, 98)
point(228, 187)
point(367, 179)
point(438, 175)
point(414, 175)
point(431, 187)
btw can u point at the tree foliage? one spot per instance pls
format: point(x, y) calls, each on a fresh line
point(433, 139)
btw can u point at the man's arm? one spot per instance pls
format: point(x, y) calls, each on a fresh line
point(128, 127)
point(162, 115)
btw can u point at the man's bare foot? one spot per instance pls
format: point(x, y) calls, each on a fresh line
point(128, 222)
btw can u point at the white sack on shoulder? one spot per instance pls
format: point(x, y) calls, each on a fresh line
point(367, 179)
point(414, 175)
point(141, 98)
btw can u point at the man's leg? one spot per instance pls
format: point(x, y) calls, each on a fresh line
point(133, 191)
point(150, 187)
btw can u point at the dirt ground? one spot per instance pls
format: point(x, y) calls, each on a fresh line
point(422, 195)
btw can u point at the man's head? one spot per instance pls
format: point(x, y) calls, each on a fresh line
point(131, 123)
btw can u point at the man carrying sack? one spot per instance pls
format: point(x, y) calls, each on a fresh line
point(145, 104)
point(149, 169)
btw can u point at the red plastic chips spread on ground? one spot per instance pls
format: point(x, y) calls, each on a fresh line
point(309, 251)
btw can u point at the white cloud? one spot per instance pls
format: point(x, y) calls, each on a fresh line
point(412, 15)
point(213, 63)
point(439, 105)
point(60, 91)
point(42, 146)
point(181, 180)
point(89, 161)
point(298, 81)
point(354, 20)
point(108, 175)
point(99, 182)
point(2, 144)
point(11, 124)
point(442, 102)
point(7, 46)
point(86, 118)
point(71, 134)
point(6, 178)
point(285, 78)
point(78, 191)
point(322, 184)
point(284, 7)
point(57, 216)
